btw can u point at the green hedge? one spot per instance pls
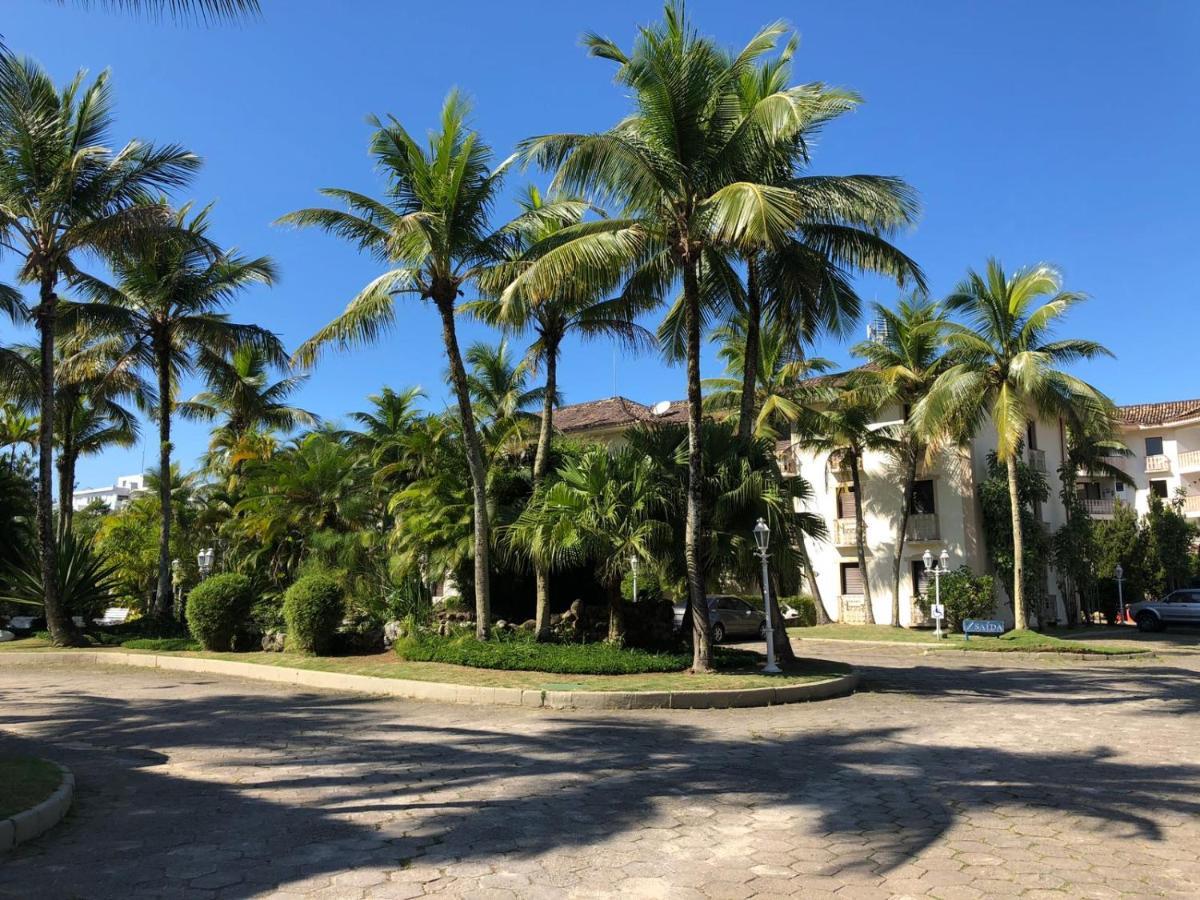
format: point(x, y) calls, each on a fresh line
point(162, 644)
point(313, 608)
point(522, 652)
point(216, 607)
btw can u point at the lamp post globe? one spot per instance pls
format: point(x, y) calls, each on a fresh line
point(633, 567)
point(927, 558)
point(762, 539)
point(944, 559)
point(762, 535)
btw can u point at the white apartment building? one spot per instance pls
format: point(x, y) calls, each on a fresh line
point(1164, 439)
point(114, 496)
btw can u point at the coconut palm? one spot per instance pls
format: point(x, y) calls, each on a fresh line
point(906, 358)
point(502, 397)
point(385, 438)
point(680, 170)
point(584, 311)
point(203, 10)
point(432, 226)
point(166, 301)
point(780, 372)
point(17, 429)
point(1005, 368)
point(843, 430)
point(63, 194)
point(602, 509)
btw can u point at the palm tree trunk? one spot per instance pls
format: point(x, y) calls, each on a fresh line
point(747, 409)
point(822, 617)
point(616, 614)
point(541, 462)
point(1018, 586)
point(702, 632)
point(162, 596)
point(458, 375)
point(783, 644)
point(910, 478)
point(66, 486)
point(860, 540)
point(62, 630)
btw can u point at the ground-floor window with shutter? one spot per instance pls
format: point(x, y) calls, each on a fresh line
point(920, 578)
point(851, 579)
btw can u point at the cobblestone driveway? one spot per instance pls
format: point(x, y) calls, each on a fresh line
point(950, 776)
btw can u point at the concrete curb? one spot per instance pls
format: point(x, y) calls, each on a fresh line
point(840, 686)
point(37, 820)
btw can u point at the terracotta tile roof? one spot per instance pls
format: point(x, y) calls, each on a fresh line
point(613, 412)
point(1148, 414)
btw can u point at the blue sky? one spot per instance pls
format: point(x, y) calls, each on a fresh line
point(1035, 131)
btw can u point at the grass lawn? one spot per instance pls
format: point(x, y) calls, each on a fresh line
point(24, 783)
point(1012, 642)
point(388, 665)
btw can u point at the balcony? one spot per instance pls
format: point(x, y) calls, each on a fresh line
point(844, 533)
point(1191, 505)
point(1036, 459)
point(1099, 509)
point(1159, 464)
point(922, 527)
point(1189, 461)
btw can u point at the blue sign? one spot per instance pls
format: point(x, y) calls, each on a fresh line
point(982, 626)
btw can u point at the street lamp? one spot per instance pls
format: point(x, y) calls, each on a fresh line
point(1119, 574)
point(762, 538)
point(204, 561)
point(937, 572)
point(633, 567)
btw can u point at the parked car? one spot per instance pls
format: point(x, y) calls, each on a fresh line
point(1177, 608)
point(729, 617)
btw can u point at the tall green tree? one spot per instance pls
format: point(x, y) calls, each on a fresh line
point(1006, 369)
point(433, 228)
point(906, 359)
point(679, 169)
point(580, 309)
point(502, 395)
point(167, 300)
point(63, 194)
point(17, 429)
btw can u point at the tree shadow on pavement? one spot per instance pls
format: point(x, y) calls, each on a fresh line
point(239, 790)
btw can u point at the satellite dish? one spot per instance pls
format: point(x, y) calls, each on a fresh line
point(661, 407)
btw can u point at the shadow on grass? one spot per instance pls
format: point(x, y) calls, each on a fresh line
point(241, 790)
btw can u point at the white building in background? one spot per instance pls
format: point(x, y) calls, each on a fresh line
point(115, 496)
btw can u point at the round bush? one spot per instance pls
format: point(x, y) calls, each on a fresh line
point(313, 608)
point(216, 607)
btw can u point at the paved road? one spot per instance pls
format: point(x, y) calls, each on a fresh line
point(951, 776)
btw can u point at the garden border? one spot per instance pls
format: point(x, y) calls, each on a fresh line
point(37, 820)
point(409, 689)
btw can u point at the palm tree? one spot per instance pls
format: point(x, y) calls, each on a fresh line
point(680, 170)
point(502, 396)
point(581, 311)
point(780, 374)
point(64, 193)
point(167, 301)
point(17, 429)
point(385, 439)
point(1004, 368)
point(204, 10)
point(242, 397)
point(433, 227)
point(603, 509)
point(906, 359)
point(843, 431)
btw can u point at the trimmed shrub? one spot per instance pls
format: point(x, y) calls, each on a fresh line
point(216, 607)
point(965, 596)
point(519, 651)
point(313, 608)
point(162, 644)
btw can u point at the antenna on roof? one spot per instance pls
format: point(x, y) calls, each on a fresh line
point(661, 407)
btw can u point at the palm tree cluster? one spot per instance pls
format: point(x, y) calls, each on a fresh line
point(700, 207)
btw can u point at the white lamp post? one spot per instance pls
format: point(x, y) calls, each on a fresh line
point(762, 539)
point(936, 572)
point(204, 561)
point(1119, 574)
point(633, 567)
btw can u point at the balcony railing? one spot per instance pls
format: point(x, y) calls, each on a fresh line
point(922, 527)
point(1037, 460)
point(1158, 463)
point(844, 532)
point(1191, 505)
point(1189, 461)
point(1097, 507)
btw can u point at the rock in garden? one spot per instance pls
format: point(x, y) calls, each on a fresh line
point(391, 632)
point(273, 641)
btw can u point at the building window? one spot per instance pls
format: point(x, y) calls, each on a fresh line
point(845, 503)
point(920, 578)
point(1158, 488)
point(1154, 447)
point(1089, 490)
point(1031, 436)
point(851, 579)
point(922, 498)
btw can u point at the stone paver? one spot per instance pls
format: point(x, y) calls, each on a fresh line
point(950, 775)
